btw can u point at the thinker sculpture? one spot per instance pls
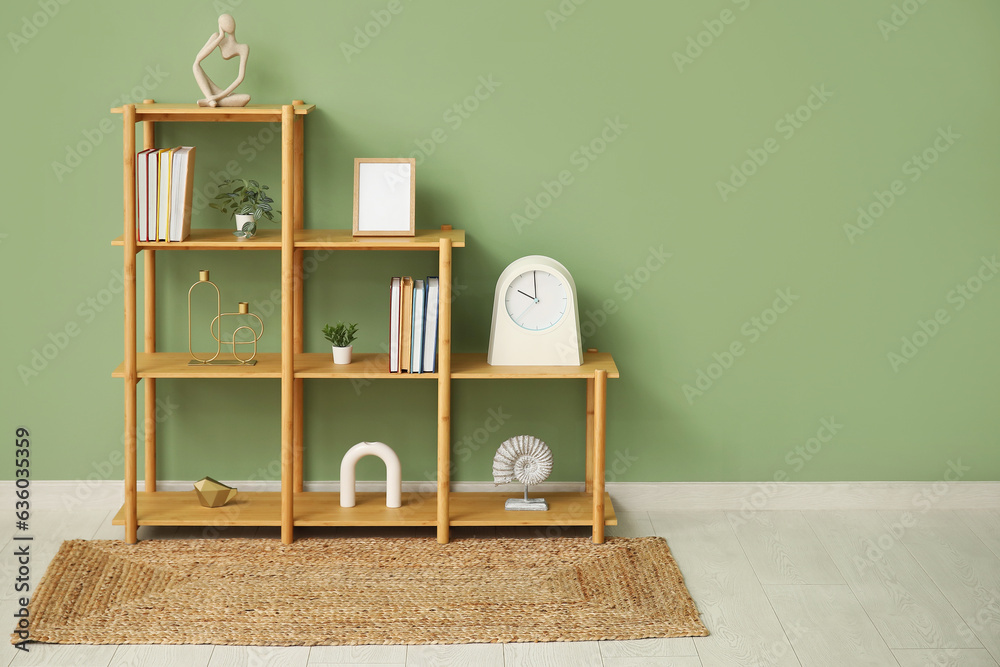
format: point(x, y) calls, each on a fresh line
point(225, 39)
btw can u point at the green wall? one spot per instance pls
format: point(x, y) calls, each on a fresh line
point(737, 137)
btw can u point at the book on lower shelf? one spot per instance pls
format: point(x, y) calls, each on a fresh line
point(395, 299)
point(164, 184)
point(417, 327)
point(431, 325)
point(413, 324)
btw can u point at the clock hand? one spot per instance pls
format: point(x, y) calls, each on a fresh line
point(525, 312)
point(534, 279)
point(526, 294)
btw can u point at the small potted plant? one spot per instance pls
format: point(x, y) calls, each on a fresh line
point(341, 337)
point(247, 202)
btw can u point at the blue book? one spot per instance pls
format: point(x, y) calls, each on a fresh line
point(417, 348)
point(431, 324)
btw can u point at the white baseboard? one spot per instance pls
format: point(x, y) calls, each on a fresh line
point(627, 496)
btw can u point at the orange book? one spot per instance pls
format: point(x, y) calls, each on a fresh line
point(406, 336)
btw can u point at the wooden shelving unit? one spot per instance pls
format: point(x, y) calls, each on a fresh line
point(292, 506)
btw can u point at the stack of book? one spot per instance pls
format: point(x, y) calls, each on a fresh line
point(413, 324)
point(164, 183)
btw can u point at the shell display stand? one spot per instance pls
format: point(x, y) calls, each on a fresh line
point(293, 506)
point(526, 503)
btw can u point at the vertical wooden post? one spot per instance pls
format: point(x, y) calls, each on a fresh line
point(444, 392)
point(600, 426)
point(590, 435)
point(131, 372)
point(287, 325)
point(298, 442)
point(149, 332)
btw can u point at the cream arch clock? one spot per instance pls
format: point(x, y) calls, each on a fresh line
point(536, 320)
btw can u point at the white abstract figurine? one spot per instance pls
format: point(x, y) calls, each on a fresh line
point(225, 39)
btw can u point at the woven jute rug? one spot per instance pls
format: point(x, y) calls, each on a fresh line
point(361, 591)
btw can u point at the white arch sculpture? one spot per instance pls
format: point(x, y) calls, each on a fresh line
point(393, 473)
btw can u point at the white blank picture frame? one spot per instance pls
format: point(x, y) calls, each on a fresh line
point(384, 196)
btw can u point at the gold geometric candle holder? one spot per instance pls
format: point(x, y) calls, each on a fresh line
point(215, 328)
point(212, 493)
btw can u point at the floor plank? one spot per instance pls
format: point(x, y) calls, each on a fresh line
point(783, 549)
point(260, 656)
point(744, 630)
point(962, 566)
point(138, 655)
point(455, 655)
point(64, 654)
point(357, 655)
point(828, 626)
point(676, 661)
point(552, 654)
point(938, 657)
point(986, 525)
point(648, 648)
point(904, 604)
point(631, 524)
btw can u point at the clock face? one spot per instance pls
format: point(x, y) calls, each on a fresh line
point(536, 300)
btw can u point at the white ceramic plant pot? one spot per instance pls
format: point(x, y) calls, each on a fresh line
point(241, 219)
point(342, 355)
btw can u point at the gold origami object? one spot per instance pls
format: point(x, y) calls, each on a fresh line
point(212, 493)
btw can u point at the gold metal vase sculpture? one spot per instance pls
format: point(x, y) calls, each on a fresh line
point(215, 328)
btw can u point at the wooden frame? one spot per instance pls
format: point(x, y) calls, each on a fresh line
point(381, 204)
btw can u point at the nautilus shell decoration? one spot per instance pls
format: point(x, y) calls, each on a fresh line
point(528, 460)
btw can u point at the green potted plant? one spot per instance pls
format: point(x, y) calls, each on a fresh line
point(247, 202)
point(341, 337)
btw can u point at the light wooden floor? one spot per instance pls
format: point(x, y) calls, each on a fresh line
point(775, 588)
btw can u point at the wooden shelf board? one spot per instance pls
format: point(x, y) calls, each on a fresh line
point(251, 113)
point(566, 508)
point(175, 365)
point(214, 239)
point(306, 239)
point(322, 508)
point(342, 239)
point(181, 508)
point(473, 366)
point(363, 365)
